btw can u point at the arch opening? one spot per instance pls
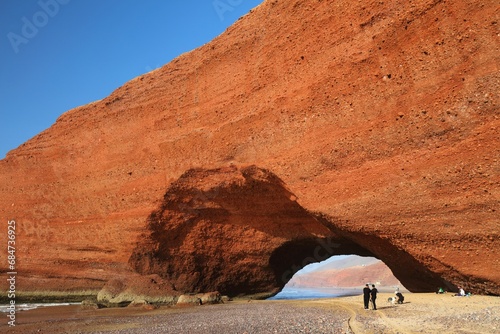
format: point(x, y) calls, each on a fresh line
point(409, 271)
point(294, 255)
point(240, 231)
point(339, 275)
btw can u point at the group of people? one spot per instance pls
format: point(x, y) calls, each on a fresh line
point(370, 295)
point(461, 292)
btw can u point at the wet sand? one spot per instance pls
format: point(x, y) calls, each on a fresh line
point(421, 313)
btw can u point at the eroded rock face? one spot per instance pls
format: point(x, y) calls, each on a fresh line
point(381, 118)
point(241, 231)
point(238, 231)
point(137, 289)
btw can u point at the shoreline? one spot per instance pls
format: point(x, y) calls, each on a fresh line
point(39, 297)
point(426, 312)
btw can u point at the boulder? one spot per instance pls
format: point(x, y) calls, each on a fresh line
point(185, 300)
point(135, 289)
point(200, 298)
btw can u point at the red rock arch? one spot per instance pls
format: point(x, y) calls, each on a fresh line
point(241, 231)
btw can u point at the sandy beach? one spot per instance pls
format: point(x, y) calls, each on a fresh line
point(421, 313)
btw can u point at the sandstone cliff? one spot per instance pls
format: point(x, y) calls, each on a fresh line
point(376, 123)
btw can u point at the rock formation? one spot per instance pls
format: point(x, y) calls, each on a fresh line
point(137, 289)
point(371, 124)
point(350, 277)
point(240, 231)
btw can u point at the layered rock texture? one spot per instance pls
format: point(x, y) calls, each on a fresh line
point(365, 127)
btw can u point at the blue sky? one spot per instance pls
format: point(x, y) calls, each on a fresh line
point(60, 54)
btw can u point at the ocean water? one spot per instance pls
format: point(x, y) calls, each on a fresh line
point(31, 306)
point(308, 293)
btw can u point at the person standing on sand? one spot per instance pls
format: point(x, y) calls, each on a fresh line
point(366, 296)
point(373, 294)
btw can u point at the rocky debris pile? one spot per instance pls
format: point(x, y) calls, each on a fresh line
point(136, 289)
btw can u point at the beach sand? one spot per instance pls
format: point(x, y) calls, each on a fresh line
point(421, 313)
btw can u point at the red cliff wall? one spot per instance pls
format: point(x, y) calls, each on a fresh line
point(381, 117)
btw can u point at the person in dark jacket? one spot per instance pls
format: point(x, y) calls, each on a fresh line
point(366, 296)
point(373, 293)
point(400, 296)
